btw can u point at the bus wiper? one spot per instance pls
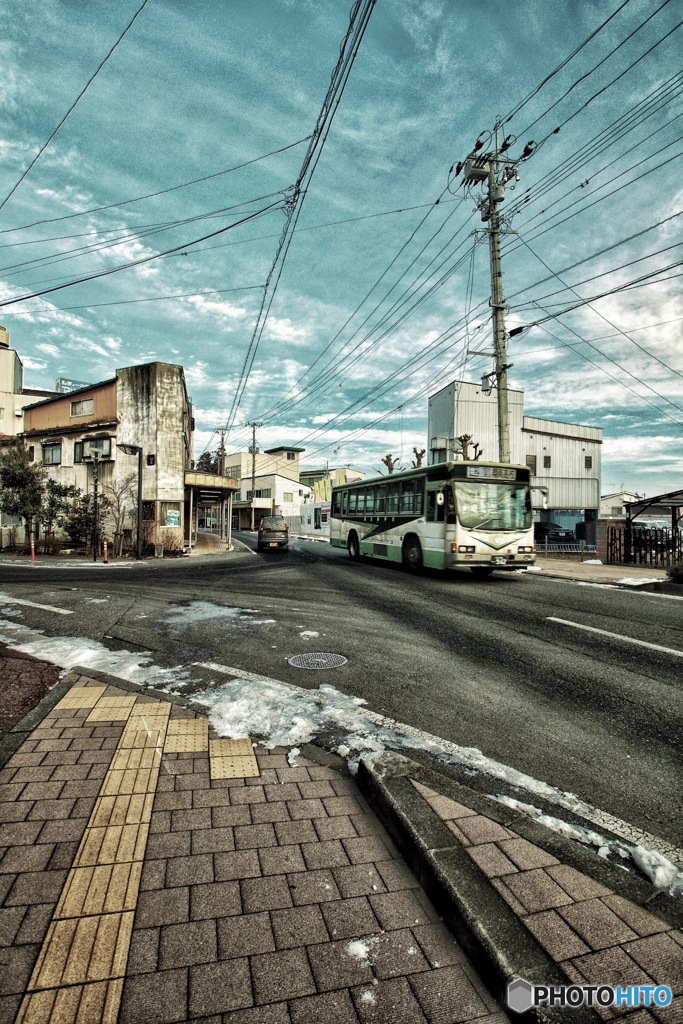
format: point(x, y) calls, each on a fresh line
point(482, 523)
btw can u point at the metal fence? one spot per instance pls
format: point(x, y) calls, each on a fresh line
point(644, 546)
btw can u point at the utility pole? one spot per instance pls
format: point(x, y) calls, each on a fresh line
point(221, 455)
point(253, 449)
point(493, 170)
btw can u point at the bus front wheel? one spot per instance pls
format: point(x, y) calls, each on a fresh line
point(412, 555)
point(481, 570)
point(353, 546)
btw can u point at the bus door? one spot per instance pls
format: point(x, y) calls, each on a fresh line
point(439, 517)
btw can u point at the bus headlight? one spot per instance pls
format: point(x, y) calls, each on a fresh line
point(466, 549)
point(525, 551)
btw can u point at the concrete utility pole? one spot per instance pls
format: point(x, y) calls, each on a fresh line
point(493, 169)
point(253, 449)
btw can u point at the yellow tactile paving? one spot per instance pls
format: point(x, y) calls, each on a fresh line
point(81, 1004)
point(130, 781)
point(80, 697)
point(232, 748)
point(136, 757)
point(234, 767)
point(84, 949)
point(112, 709)
point(146, 729)
point(102, 889)
point(122, 810)
point(116, 844)
point(187, 735)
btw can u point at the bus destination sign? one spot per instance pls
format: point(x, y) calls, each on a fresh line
point(491, 473)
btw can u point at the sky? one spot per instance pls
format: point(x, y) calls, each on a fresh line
point(110, 114)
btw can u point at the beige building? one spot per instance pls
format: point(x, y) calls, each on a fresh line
point(269, 484)
point(14, 397)
point(75, 436)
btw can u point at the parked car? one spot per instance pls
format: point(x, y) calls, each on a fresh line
point(553, 533)
point(273, 532)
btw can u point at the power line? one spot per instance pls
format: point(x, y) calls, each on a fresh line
point(73, 105)
point(136, 263)
point(129, 302)
point(152, 195)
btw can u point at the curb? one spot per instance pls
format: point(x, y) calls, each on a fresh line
point(495, 939)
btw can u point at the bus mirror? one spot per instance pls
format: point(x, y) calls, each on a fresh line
point(440, 498)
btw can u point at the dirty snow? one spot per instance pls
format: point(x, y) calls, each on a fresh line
point(200, 611)
point(661, 872)
point(309, 634)
point(630, 581)
point(277, 714)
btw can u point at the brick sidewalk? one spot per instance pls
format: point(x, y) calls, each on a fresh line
point(146, 875)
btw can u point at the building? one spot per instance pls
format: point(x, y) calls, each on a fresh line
point(323, 480)
point(76, 436)
point(613, 506)
point(14, 397)
point(564, 458)
point(268, 484)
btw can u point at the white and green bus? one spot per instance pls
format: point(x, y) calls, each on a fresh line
point(445, 516)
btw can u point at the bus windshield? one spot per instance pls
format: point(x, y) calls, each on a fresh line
point(493, 506)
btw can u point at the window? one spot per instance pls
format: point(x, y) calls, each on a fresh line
point(234, 471)
point(85, 407)
point(169, 513)
point(617, 510)
point(52, 454)
point(148, 511)
point(381, 498)
point(588, 462)
point(370, 500)
point(31, 453)
point(408, 497)
point(531, 463)
point(288, 495)
point(392, 497)
point(546, 462)
point(102, 444)
point(291, 456)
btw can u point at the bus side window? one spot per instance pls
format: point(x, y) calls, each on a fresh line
point(336, 505)
point(381, 498)
point(353, 501)
point(370, 500)
point(345, 503)
point(392, 498)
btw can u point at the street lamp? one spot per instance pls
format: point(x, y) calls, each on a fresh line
point(135, 449)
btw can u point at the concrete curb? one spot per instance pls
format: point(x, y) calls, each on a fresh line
point(493, 936)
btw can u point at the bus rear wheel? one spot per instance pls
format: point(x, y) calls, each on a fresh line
point(481, 570)
point(353, 546)
point(412, 555)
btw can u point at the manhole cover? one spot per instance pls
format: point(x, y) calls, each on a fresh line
point(317, 660)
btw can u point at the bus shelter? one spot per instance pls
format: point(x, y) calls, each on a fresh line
point(208, 505)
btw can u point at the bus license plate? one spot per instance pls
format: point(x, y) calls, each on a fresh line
point(499, 560)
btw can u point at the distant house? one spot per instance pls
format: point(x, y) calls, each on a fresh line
point(323, 480)
point(268, 484)
point(14, 397)
point(76, 437)
point(613, 506)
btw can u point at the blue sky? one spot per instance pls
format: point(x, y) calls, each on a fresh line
point(382, 291)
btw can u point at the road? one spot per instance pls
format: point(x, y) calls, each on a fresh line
point(480, 663)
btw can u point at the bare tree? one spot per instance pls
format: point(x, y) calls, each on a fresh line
point(419, 456)
point(465, 441)
point(390, 462)
point(123, 502)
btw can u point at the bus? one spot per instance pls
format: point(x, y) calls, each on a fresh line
point(444, 516)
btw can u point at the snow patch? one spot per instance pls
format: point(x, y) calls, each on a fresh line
point(199, 611)
point(309, 634)
point(630, 581)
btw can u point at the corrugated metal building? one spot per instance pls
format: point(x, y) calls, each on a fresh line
point(564, 458)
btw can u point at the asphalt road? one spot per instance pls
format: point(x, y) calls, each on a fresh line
point(481, 663)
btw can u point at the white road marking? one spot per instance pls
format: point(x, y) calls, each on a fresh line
point(32, 604)
point(617, 636)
